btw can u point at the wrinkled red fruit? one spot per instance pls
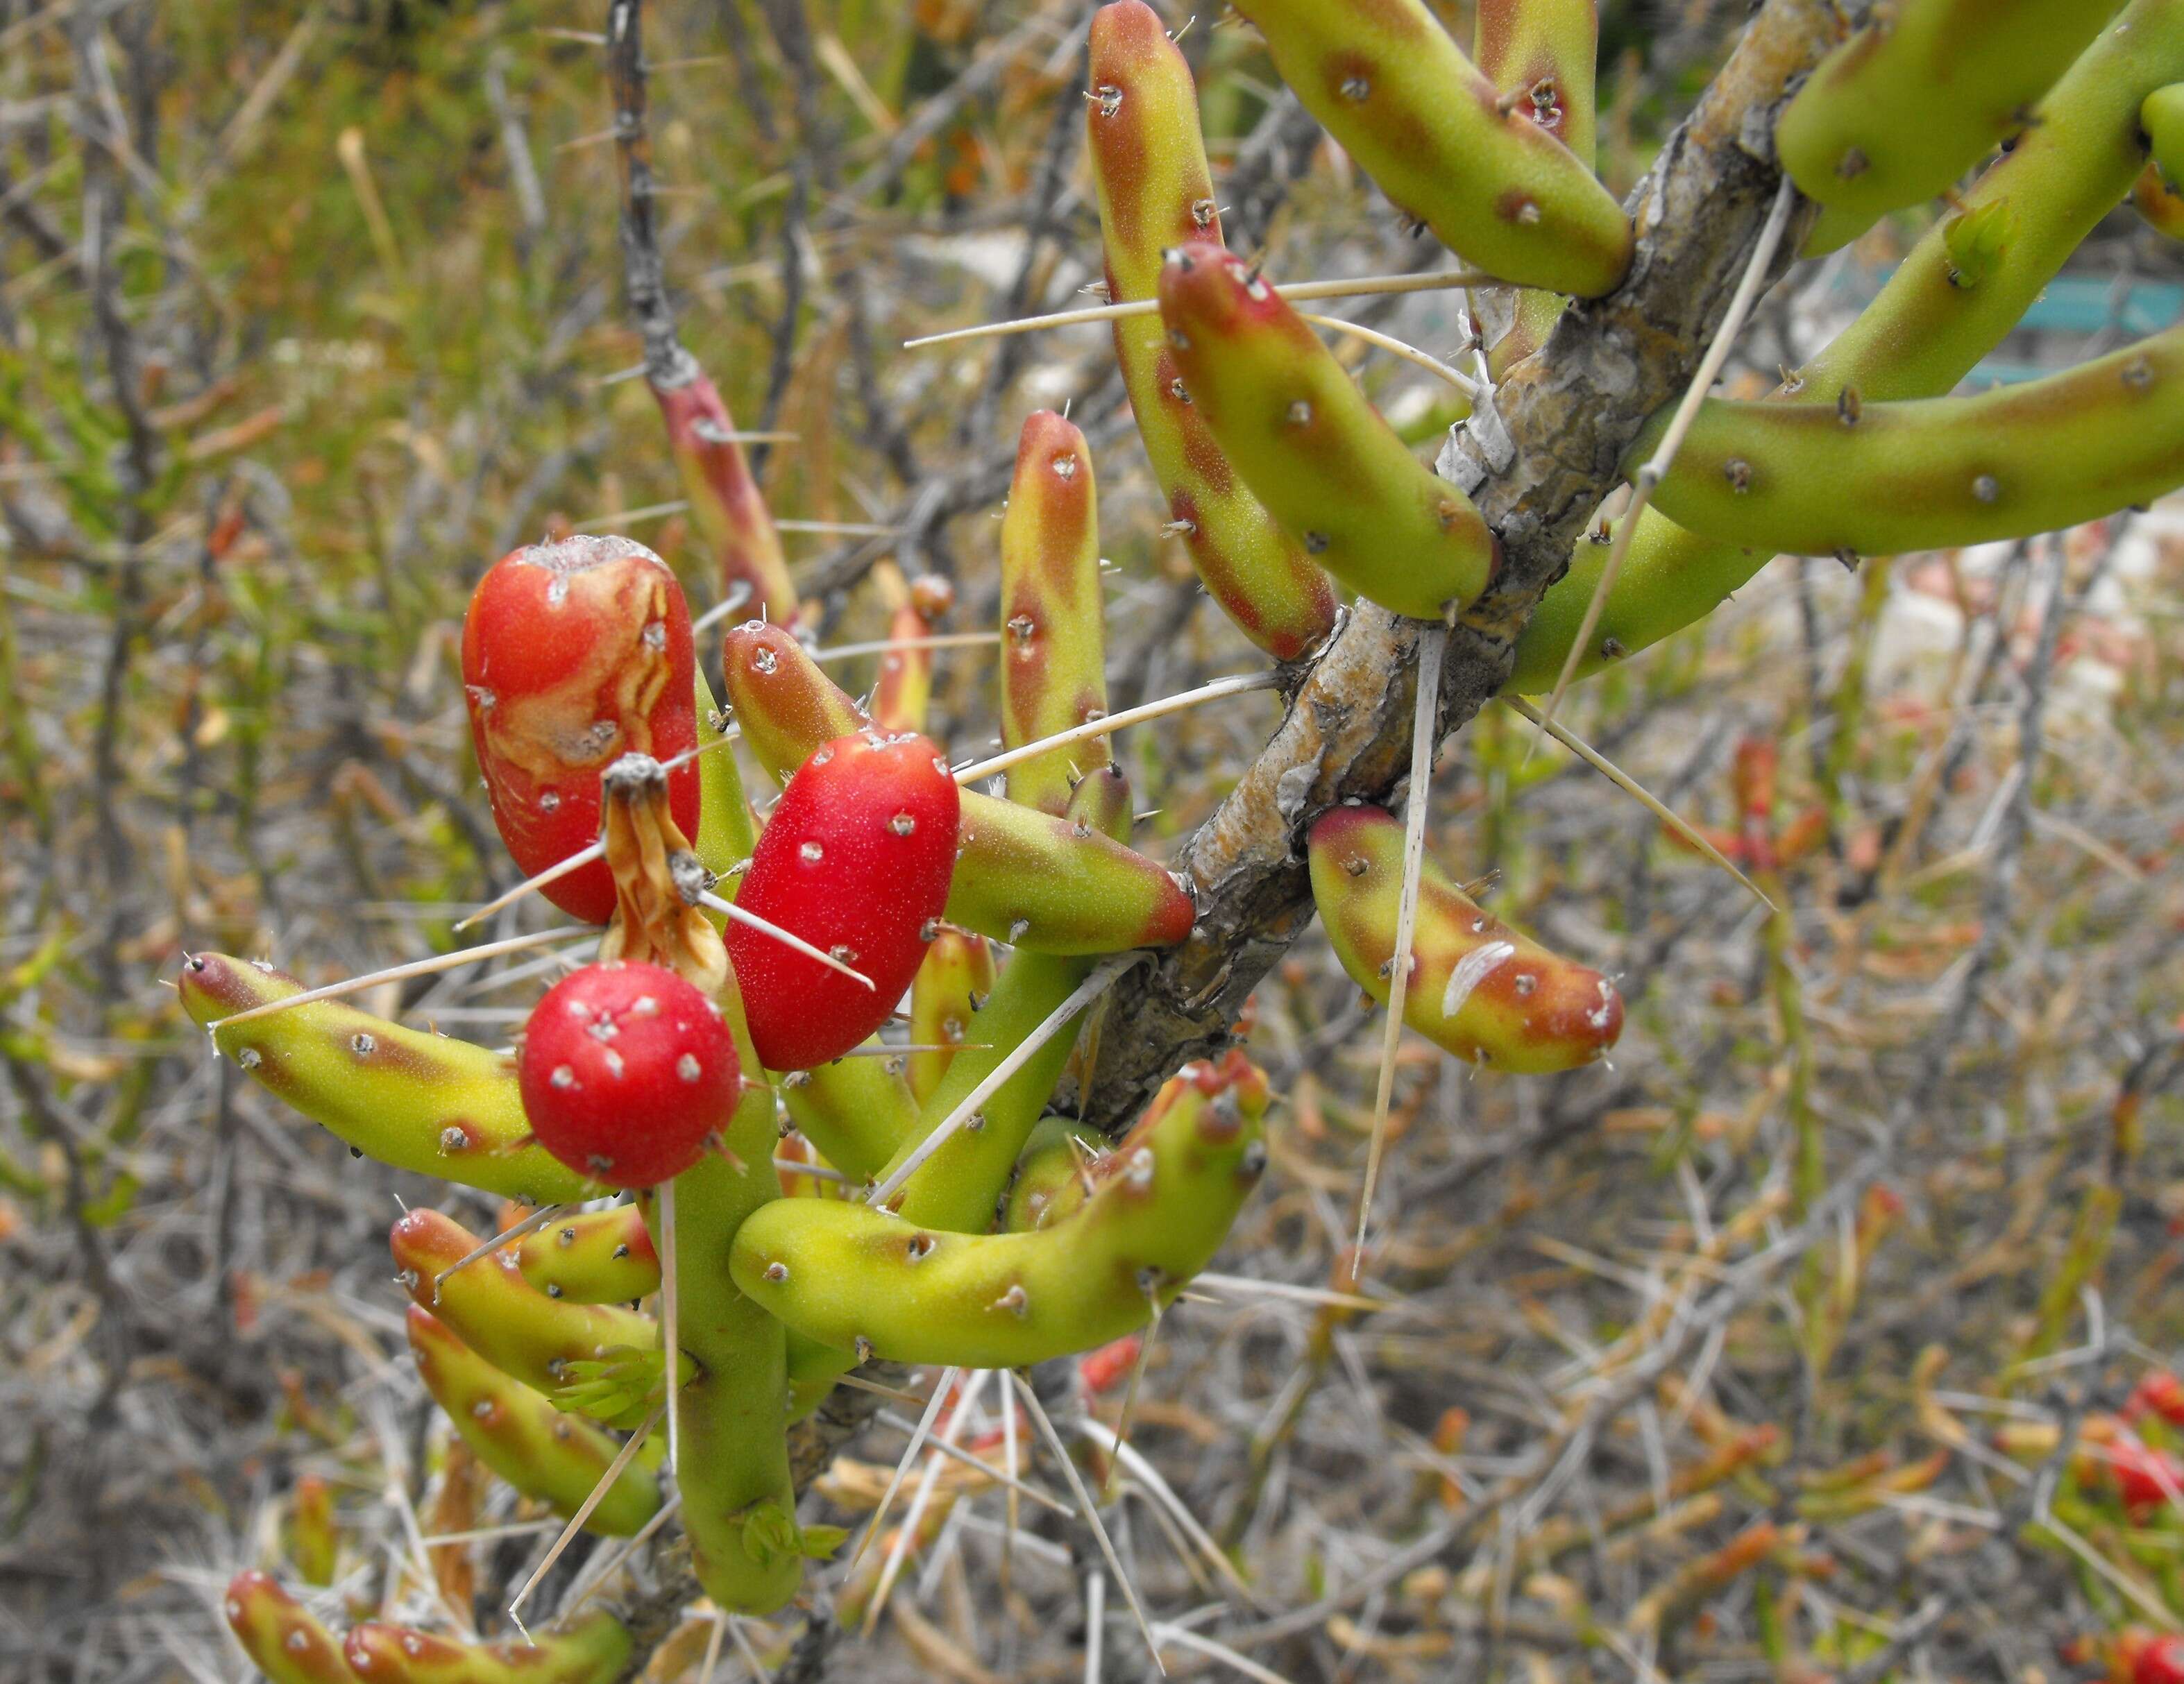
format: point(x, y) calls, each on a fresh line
point(856, 859)
point(627, 1071)
point(575, 653)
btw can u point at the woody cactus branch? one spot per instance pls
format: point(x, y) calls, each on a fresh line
point(1537, 469)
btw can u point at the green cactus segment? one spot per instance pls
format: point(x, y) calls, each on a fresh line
point(591, 1651)
point(847, 1275)
point(1924, 333)
point(856, 1111)
point(1938, 472)
point(1030, 879)
point(1543, 55)
point(738, 1498)
point(1917, 96)
point(500, 1314)
point(961, 1185)
point(956, 974)
point(726, 504)
point(1309, 444)
point(1547, 51)
point(1155, 191)
point(416, 1101)
point(2162, 117)
point(1385, 80)
point(725, 834)
point(313, 1537)
point(543, 1452)
point(1478, 989)
point(1051, 1177)
point(1054, 632)
point(1049, 884)
point(596, 1257)
point(785, 706)
point(280, 1635)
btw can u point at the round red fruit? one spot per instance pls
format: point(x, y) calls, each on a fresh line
point(856, 859)
point(628, 1071)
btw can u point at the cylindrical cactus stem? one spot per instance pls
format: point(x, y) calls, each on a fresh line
point(282, 1636)
point(574, 653)
point(1542, 57)
point(726, 503)
point(594, 1257)
point(781, 700)
point(592, 1650)
point(2162, 117)
point(725, 833)
point(1312, 447)
point(956, 975)
point(416, 1101)
point(1054, 630)
point(1877, 479)
point(857, 1111)
point(543, 1452)
point(855, 1277)
point(1155, 190)
point(313, 1539)
point(962, 1183)
point(1924, 333)
point(525, 1333)
point(1478, 989)
point(903, 693)
point(738, 1499)
point(1920, 92)
point(1030, 879)
point(1052, 1176)
point(1493, 185)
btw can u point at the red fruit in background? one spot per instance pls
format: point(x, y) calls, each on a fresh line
point(1106, 1368)
point(856, 859)
point(574, 653)
point(626, 1071)
point(2145, 1478)
point(2159, 1392)
point(2160, 1661)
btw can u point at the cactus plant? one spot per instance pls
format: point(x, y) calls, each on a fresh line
point(976, 1230)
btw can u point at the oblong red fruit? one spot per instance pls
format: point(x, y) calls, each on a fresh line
point(574, 653)
point(627, 1070)
point(856, 859)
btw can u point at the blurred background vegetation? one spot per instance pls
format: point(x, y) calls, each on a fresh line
point(311, 309)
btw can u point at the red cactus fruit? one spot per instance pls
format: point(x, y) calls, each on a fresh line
point(2139, 1656)
point(2159, 1392)
point(856, 859)
point(2145, 1479)
point(627, 1071)
point(1108, 1366)
point(576, 652)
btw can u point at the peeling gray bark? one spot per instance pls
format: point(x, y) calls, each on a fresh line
point(1569, 414)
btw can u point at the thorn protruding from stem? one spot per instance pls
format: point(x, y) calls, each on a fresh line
point(397, 973)
point(1649, 476)
point(1364, 285)
point(1425, 731)
point(1240, 685)
point(728, 908)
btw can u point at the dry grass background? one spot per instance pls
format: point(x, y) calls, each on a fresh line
point(1684, 1368)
